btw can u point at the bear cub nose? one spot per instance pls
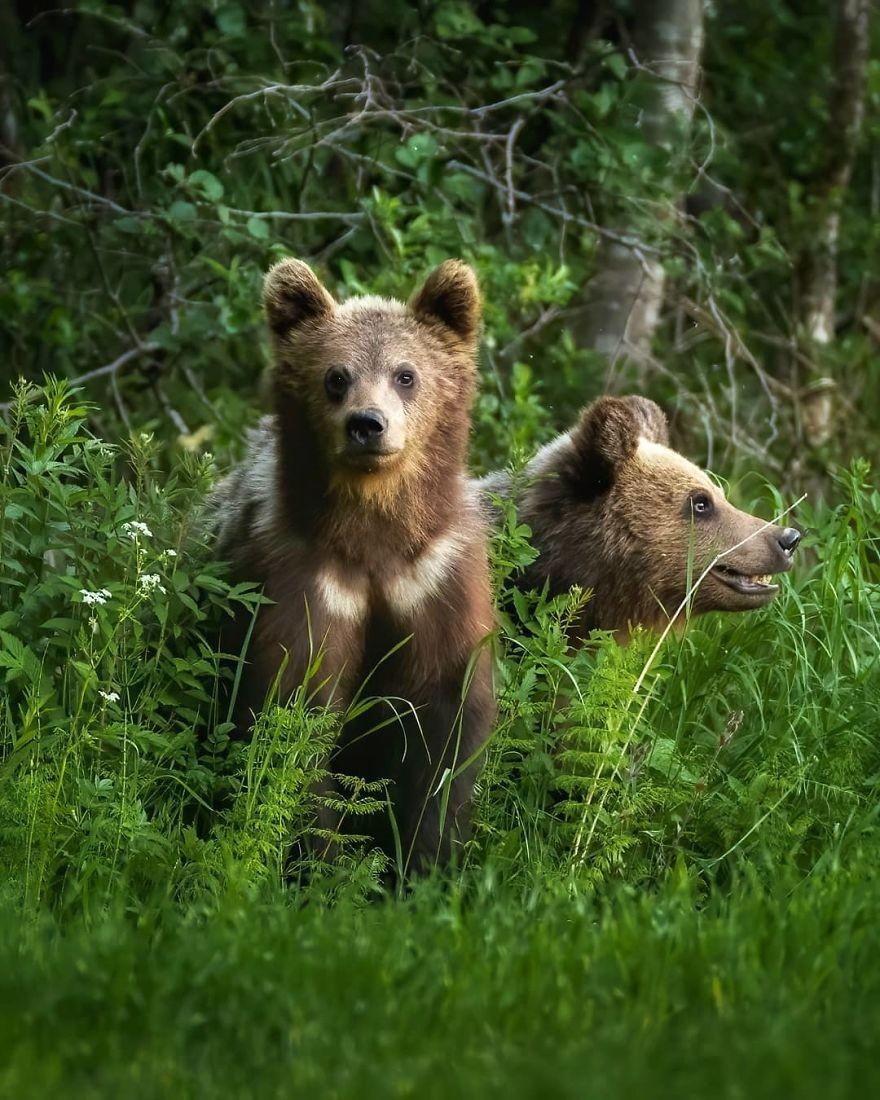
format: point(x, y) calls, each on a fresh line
point(788, 539)
point(365, 427)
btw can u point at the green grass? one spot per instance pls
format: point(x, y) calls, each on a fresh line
point(768, 993)
point(670, 890)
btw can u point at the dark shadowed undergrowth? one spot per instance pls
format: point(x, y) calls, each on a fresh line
point(664, 885)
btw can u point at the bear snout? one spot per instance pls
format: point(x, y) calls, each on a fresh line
point(364, 429)
point(788, 539)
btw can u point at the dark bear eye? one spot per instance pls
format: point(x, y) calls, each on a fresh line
point(335, 383)
point(405, 378)
point(701, 505)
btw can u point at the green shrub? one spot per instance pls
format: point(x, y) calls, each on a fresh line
point(107, 672)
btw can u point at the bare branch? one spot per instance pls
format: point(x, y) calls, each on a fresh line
point(639, 248)
point(309, 216)
point(98, 200)
point(533, 97)
point(287, 90)
point(108, 369)
point(508, 150)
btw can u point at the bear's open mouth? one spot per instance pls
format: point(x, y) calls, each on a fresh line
point(748, 585)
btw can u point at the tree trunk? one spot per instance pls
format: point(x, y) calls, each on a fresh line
point(10, 99)
point(586, 24)
point(621, 304)
point(845, 116)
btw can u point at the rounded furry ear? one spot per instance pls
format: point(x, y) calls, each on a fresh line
point(292, 294)
point(608, 434)
point(651, 419)
point(451, 297)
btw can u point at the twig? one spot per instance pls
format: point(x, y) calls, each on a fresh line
point(173, 415)
point(735, 346)
point(872, 326)
point(324, 254)
point(310, 216)
point(269, 89)
point(638, 247)
point(40, 213)
point(508, 172)
point(100, 200)
point(108, 368)
point(542, 93)
point(544, 318)
point(66, 124)
point(114, 21)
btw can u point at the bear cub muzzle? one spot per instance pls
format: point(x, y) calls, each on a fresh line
point(370, 403)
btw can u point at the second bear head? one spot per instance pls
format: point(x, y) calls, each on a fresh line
point(614, 509)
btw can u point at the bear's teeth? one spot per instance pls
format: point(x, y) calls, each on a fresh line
point(763, 579)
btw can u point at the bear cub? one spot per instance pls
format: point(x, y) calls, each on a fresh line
point(614, 509)
point(353, 511)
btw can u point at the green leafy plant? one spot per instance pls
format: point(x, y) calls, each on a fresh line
point(107, 672)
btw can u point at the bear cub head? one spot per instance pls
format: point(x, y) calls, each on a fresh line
point(614, 508)
point(379, 389)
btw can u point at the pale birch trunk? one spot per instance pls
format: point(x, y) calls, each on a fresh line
point(621, 304)
point(845, 116)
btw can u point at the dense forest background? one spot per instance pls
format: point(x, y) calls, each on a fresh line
point(673, 882)
point(671, 197)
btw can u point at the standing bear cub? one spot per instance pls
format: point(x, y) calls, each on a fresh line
point(353, 511)
point(614, 509)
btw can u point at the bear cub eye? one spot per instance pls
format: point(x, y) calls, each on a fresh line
point(405, 377)
point(335, 383)
point(701, 505)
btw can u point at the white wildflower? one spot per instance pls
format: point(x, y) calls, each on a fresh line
point(99, 597)
point(110, 696)
point(135, 528)
point(150, 582)
point(169, 553)
point(102, 448)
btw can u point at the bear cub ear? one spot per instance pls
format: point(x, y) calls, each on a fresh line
point(451, 297)
point(608, 434)
point(292, 294)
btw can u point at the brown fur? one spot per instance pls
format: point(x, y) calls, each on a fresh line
point(362, 548)
point(612, 509)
